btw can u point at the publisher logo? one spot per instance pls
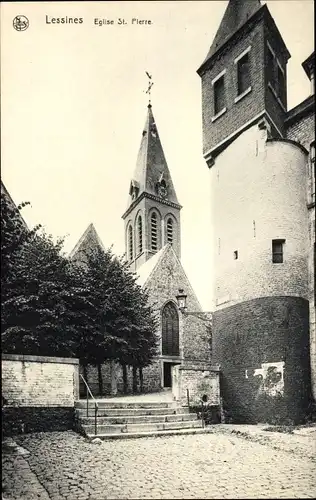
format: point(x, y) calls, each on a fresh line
point(20, 23)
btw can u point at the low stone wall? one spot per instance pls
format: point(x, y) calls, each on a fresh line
point(193, 381)
point(38, 393)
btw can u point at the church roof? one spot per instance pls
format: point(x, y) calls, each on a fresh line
point(6, 193)
point(145, 270)
point(236, 15)
point(151, 166)
point(88, 242)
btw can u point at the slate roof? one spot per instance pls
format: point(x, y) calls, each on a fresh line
point(151, 164)
point(89, 240)
point(237, 13)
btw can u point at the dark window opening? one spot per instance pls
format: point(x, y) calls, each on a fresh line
point(154, 232)
point(219, 95)
point(243, 74)
point(281, 86)
point(271, 68)
point(170, 231)
point(130, 242)
point(140, 234)
point(236, 254)
point(277, 251)
point(170, 330)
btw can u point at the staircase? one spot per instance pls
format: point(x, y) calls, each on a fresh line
point(135, 418)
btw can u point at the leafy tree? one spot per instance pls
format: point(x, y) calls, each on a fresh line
point(44, 306)
point(125, 322)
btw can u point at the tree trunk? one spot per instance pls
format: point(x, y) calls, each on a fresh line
point(141, 380)
point(134, 379)
point(125, 387)
point(100, 379)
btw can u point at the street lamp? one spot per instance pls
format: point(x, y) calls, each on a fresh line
point(182, 300)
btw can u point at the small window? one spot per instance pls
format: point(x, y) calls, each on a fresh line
point(235, 254)
point(243, 74)
point(219, 95)
point(130, 243)
point(281, 86)
point(271, 68)
point(154, 232)
point(170, 231)
point(277, 251)
point(140, 234)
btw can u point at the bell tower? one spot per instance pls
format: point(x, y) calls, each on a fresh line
point(243, 77)
point(152, 217)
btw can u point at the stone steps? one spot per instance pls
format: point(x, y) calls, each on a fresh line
point(136, 428)
point(117, 419)
point(140, 419)
point(134, 435)
point(120, 412)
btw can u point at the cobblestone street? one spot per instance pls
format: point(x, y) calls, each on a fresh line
point(219, 464)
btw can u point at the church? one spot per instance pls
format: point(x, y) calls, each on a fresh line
point(152, 230)
point(260, 338)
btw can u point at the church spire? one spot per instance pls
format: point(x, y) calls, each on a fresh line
point(151, 175)
point(152, 218)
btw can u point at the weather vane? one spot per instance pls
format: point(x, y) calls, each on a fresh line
point(150, 84)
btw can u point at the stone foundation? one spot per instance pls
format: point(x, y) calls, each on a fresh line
point(192, 382)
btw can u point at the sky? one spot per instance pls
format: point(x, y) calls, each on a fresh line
point(73, 107)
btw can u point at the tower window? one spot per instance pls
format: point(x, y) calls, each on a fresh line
point(235, 254)
point(170, 231)
point(130, 243)
point(219, 95)
point(154, 232)
point(243, 74)
point(281, 85)
point(140, 234)
point(271, 67)
point(277, 251)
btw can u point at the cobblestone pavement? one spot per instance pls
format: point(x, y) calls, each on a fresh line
point(218, 464)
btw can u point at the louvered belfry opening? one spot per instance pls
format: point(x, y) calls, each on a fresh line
point(130, 243)
point(170, 330)
point(170, 231)
point(140, 234)
point(153, 230)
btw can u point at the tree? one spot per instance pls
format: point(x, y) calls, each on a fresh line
point(44, 305)
point(125, 322)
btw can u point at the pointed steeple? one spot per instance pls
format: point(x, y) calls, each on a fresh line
point(152, 174)
point(89, 242)
point(237, 13)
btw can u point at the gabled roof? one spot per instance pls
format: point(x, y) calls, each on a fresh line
point(309, 65)
point(145, 270)
point(237, 13)
point(6, 193)
point(88, 242)
point(151, 163)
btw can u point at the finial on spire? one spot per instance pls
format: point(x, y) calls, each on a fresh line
point(150, 84)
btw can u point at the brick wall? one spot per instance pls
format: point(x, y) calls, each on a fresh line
point(303, 131)
point(37, 390)
point(247, 108)
point(257, 337)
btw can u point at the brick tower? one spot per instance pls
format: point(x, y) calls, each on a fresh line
point(152, 218)
point(259, 215)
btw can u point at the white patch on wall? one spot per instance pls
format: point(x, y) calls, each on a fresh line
point(272, 378)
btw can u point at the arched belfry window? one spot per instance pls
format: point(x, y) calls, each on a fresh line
point(140, 234)
point(130, 243)
point(170, 330)
point(154, 231)
point(170, 230)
